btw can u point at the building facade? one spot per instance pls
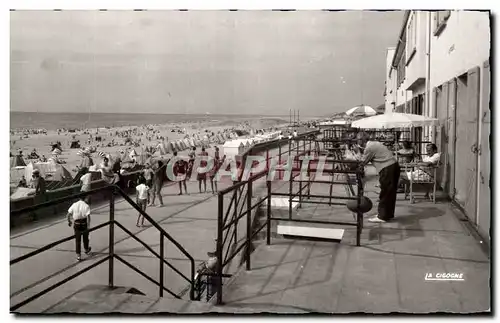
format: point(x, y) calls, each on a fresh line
point(390, 82)
point(442, 66)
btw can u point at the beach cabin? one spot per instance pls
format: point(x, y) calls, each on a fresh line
point(233, 148)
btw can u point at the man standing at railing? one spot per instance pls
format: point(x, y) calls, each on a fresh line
point(79, 214)
point(388, 171)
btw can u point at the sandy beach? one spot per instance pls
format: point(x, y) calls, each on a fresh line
point(21, 140)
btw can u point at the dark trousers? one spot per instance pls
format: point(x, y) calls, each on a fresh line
point(81, 227)
point(389, 179)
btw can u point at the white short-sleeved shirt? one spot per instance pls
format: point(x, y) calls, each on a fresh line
point(79, 210)
point(424, 174)
point(142, 190)
point(434, 159)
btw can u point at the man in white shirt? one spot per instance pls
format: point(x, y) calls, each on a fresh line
point(79, 214)
point(142, 197)
point(388, 171)
point(422, 174)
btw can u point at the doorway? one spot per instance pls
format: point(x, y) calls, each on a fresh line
point(467, 111)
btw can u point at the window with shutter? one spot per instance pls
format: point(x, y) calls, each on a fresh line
point(440, 18)
point(411, 46)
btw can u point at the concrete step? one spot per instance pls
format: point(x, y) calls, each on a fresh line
point(102, 299)
point(282, 203)
point(298, 230)
point(99, 299)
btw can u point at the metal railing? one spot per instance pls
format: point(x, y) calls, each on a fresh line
point(242, 202)
point(111, 224)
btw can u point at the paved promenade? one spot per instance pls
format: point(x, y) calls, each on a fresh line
point(387, 273)
point(190, 219)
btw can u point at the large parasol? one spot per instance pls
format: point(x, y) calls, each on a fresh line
point(395, 120)
point(361, 110)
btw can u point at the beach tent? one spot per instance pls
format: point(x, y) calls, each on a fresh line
point(126, 159)
point(143, 158)
point(187, 142)
point(56, 152)
point(17, 161)
point(192, 143)
point(16, 173)
point(178, 146)
point(161, 148)
point(169, 147)
point(49, 171)
point(247, 144)
point(133, 153)
point(198, 143)
point(174, 145)
point(75, 144)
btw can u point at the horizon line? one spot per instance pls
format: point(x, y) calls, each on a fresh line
point(153, 113)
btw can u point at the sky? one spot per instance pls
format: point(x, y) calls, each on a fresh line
point(218, 62)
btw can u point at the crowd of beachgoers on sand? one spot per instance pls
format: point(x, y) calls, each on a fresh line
point(61, 155)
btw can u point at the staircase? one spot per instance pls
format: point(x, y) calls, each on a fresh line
point(100, 299)
point(101, 267)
